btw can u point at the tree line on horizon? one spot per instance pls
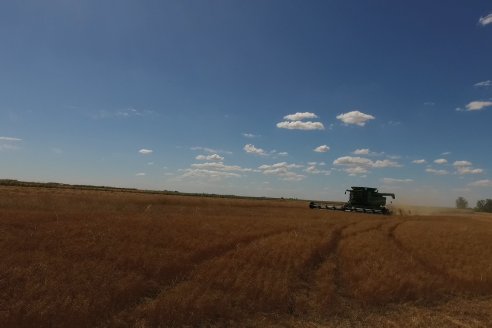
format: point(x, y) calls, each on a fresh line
point(483, 205)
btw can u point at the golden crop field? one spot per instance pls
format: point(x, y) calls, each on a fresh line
point(81, 258)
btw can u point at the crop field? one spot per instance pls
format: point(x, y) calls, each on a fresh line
point(81, 258)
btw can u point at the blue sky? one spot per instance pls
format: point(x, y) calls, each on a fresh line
point(264, 98)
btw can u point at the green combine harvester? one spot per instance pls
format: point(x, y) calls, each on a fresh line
point(362, 199)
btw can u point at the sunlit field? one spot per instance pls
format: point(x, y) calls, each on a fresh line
point(80, 258)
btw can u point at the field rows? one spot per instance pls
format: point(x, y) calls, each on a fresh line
point(124, 260)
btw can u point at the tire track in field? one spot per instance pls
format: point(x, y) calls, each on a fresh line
point(340, 294)
point(456, 282)
point(327, 251)
point(432, 269)
point(200, 258)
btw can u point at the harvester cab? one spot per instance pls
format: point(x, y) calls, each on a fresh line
point(361, 199)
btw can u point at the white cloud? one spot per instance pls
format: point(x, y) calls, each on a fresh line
point(251, 149)
point(363, 151)
point(481, 183)
point(9, 139)
point(419, 161)
point(300, 125)
point(355, 117)
point(250, 135)
point(129, 112)
point(144, 151)
point(349, 160)
point(213, 171)
point(385, 163)
point(283, 153)
point(361, 165)
point(441, 161)
point(282, 170)
point(464, 167)
point(294, 122)
point(210, 174)
point(213, 157)
point(478, 105)
point(141, 174)
point(356, 170)
point(124, 113)
point(436, 172)
point(322, 149)
point(468, 170)
point(483, 84)
point(9, 143)
point(219, 166)
point(313, 169)
point(462, 163)
point(300, 116)
point(396, 181)
point(485, 20)
point(210, 150)
point(446, 153)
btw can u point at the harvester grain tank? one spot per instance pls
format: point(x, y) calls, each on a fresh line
point(361, 199)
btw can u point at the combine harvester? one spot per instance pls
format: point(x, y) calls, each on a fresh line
point(362, 199)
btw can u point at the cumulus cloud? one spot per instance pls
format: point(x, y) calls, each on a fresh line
point(483, 84)
point(396, 181)
point(144, 151)
point(210, 150)
point(283, 170)
point(464, 167)
point(360, 165)
point(462, 163)
point(385, 163)
point(213, 157)
point(251, 149)
point(419, 161)
point(363, 151)
point(300, 116)
point(436, 172)
point(356, 170)
point(219, 166)
point(485, 20)
point(478, 105)
point(441, 161)
point(322, 149)
point(355, 117)
point(349, 160)
point(468, 170)
point(9, 139)
point(300, 125)
point(213, 171)
point(209, 174)
point(481, 183)
point(295, 122)
point(313, 169)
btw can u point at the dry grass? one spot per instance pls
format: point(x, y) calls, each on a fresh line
point(83, 258)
